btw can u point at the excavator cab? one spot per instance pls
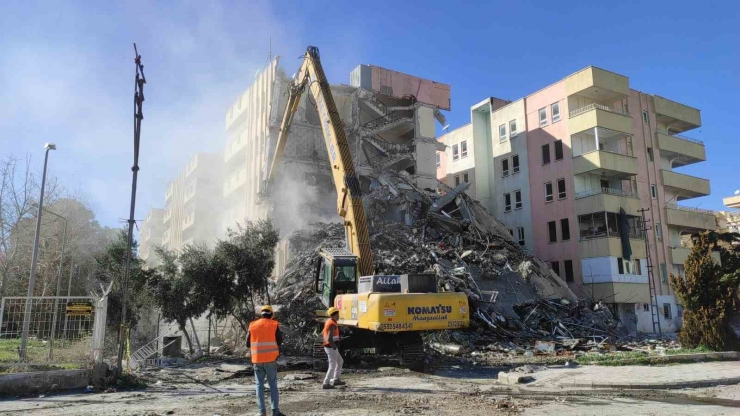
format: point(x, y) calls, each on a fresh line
point(336, 274)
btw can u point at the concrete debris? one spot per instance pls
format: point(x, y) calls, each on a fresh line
point(515, 299)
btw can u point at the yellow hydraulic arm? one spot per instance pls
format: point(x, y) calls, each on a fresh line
point(349, 196)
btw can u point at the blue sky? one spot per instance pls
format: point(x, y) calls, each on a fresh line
point(66, 71)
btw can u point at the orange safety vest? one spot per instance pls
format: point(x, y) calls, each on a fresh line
point(262, 341)
point(328, 332)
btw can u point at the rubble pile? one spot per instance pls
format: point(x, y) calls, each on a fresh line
point(514, 297)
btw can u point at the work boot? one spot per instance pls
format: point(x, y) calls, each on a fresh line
point(277, 413)
point(338, 383)
point(327, 387)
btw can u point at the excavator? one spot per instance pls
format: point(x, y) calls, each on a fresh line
point(382, 313)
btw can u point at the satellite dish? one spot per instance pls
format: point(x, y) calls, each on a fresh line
point(737, 192)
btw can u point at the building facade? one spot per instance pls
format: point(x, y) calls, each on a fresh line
point(150, 235)
point(594, 156)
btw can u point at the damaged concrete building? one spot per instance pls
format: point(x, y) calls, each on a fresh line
point(390, 120)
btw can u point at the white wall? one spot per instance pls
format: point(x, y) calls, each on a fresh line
point(515, 181)
point(464, 133)
point(606, 270)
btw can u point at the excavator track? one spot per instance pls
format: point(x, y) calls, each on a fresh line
point(320, 362)
point(412, 352)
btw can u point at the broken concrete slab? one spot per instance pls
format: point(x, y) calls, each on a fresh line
point(513, 378)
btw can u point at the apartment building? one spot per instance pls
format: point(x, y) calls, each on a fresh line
point(150, 235)
point(591, 155)
point(191, 201)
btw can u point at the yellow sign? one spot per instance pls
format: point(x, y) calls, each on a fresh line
point(79, 308)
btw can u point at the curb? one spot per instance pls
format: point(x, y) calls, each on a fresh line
point(677, 358)
point(662, 386)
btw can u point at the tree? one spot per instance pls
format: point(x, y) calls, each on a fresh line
point(249, 256)
point(181, 286)
point(708, 293)
point(19, 189)
point(109, 267)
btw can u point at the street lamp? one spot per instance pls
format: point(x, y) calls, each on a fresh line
point(59, 280)
point(34, 258)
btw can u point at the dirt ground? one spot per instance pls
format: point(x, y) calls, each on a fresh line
point(228, 389)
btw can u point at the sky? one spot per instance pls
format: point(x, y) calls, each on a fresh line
point(67, 71)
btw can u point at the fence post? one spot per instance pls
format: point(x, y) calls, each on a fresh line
point(2, 311)
point(98, 344)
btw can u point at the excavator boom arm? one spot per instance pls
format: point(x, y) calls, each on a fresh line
point(349, 196)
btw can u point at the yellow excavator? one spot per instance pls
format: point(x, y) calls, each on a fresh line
point(385, 313)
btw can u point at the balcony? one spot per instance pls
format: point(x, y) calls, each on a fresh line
point(732, 202)
point(605, 163)
point(235, 147)
point(599, 115)
point(167, 216)
point(188, 221)
point(600, 235)
point(607, 199)
point(676, 116)
point(169, 192)
point(684, 186)
point(690, 218)
point(598, 84)
point(684, 150)
point(620, 292)
point(680, 254)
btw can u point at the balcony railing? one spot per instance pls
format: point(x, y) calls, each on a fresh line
point(609, 191)
point(600, 232)
point(680, 136)
point(596, 106)
point(691, 209)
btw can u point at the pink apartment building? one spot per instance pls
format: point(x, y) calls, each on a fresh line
point(593, 156)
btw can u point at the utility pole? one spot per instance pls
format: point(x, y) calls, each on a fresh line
point(138, 116)
point(34, 258)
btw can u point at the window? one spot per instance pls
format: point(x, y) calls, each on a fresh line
point(457, 180)
point(518, 199)
point(520, 235)
point(465, 178)
point(552, 231)
point(645, 118)
point(505, 167)
point(637, 268)
point(502, 132)
point(558, 150)
point(604, 183)
point(555, 112)
point(455, 152)
point(507, 202)
point(438, 160)
point(650, 153)
point(646, 307)
point(515, 163)
point(658, 231)
point(654, 191)
point(545, 154)
point(667, 311)
point(565, 229)
point(464, 148)
point(679, 311)
point(568, 270)
point(555, 265)
point(663, 273)
point(512, 129)
point(511, 232)
point(620, 265)
point(561, 189)
point(548, 192)
point(543, 117)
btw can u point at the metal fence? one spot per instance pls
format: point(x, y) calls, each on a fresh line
point(62, 330)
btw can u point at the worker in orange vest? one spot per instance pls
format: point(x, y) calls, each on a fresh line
point(263, 340)
point(331, 347)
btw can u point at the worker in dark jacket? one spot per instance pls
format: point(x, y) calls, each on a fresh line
point(263, 340)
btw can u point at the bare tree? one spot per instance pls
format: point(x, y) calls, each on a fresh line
point(19, 189)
